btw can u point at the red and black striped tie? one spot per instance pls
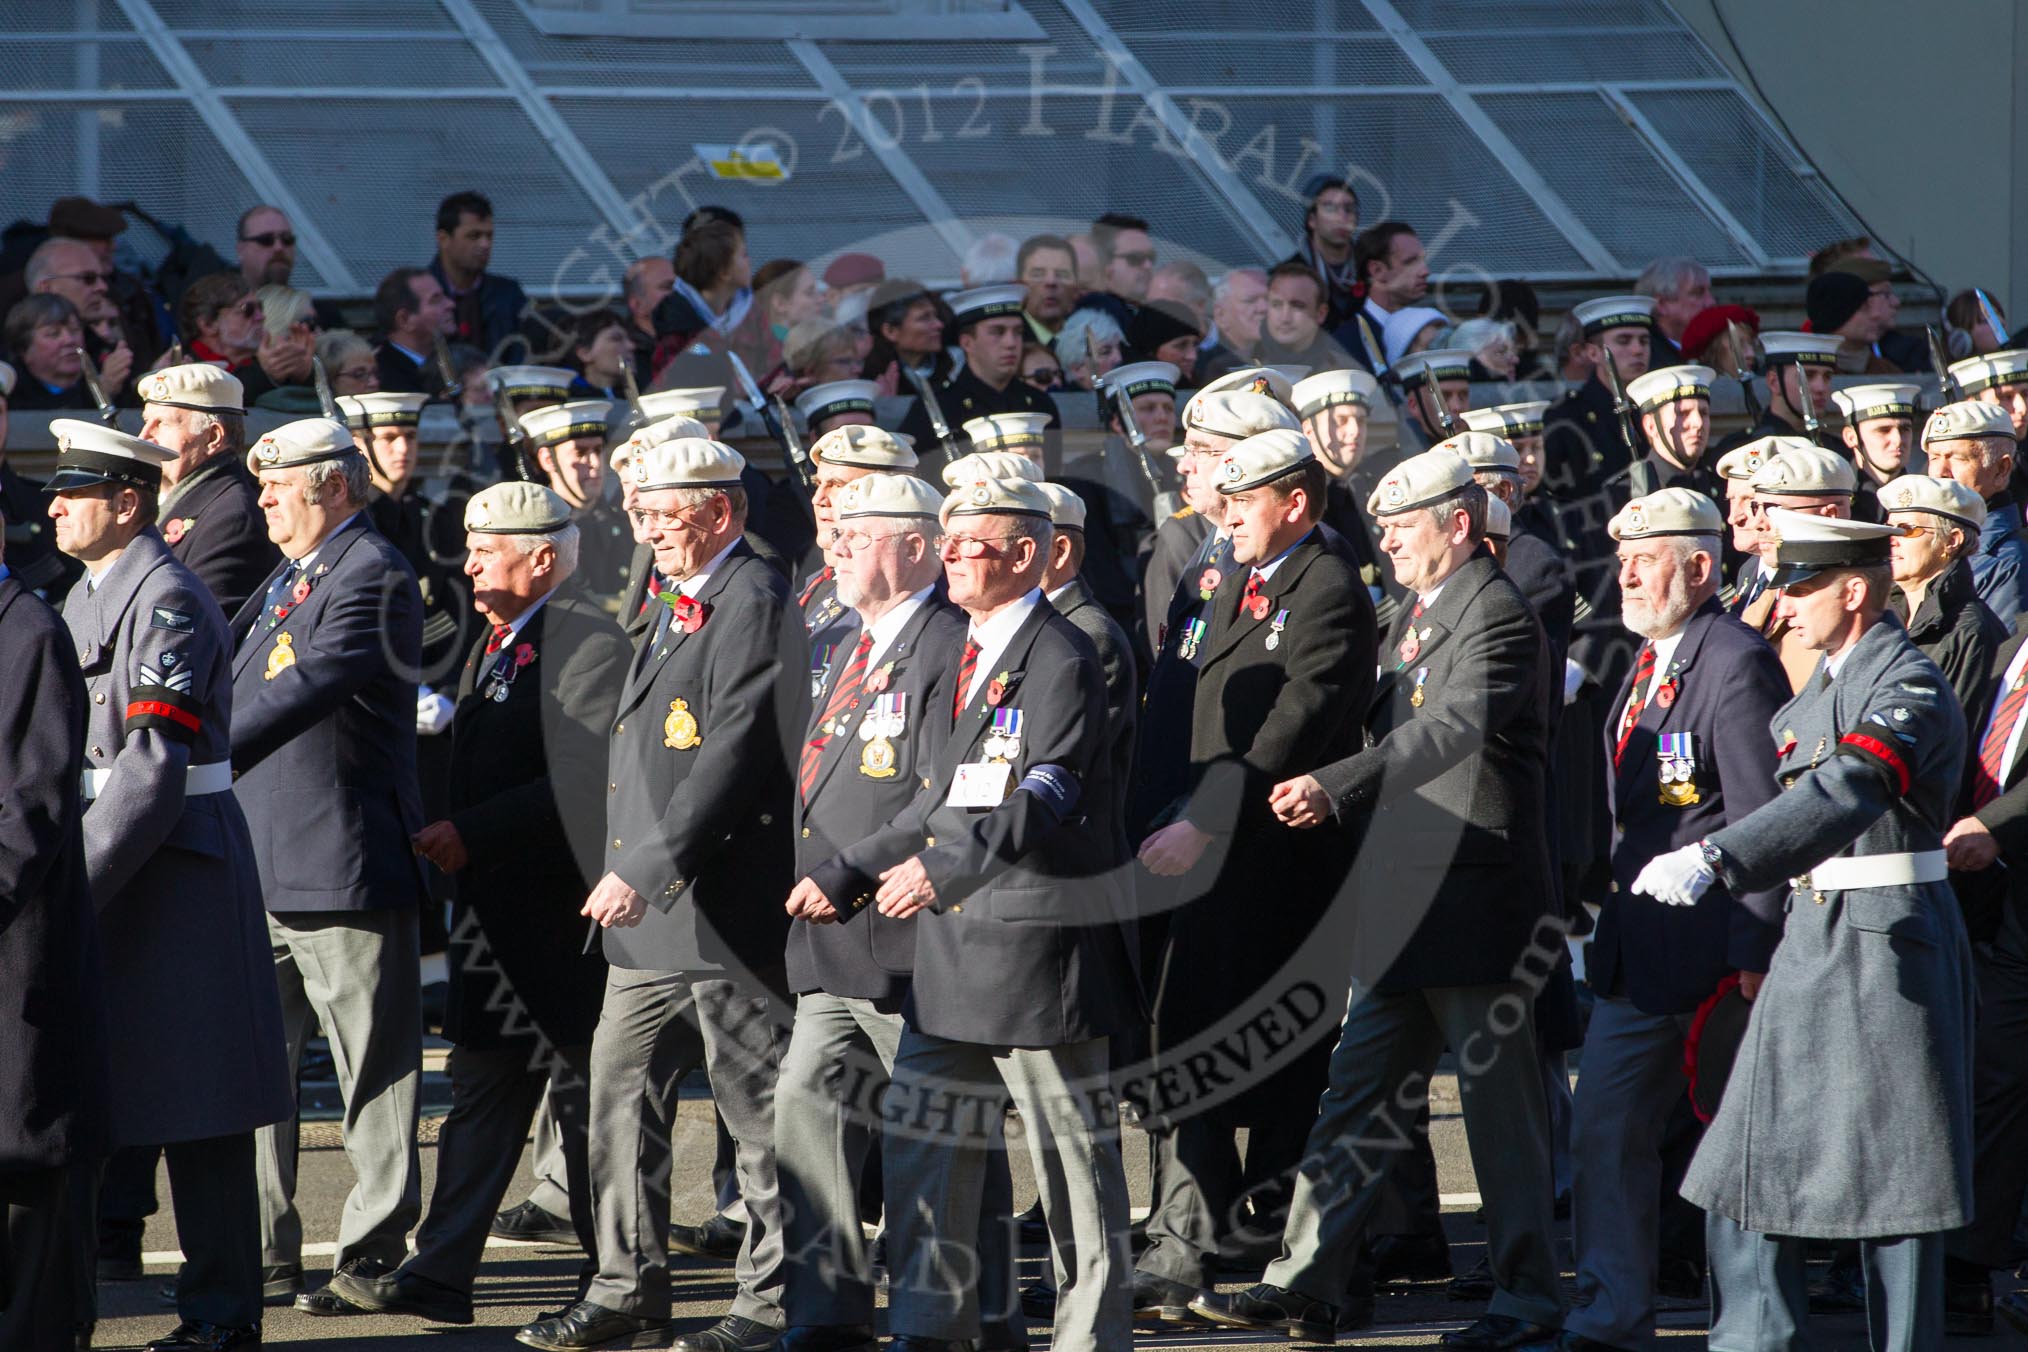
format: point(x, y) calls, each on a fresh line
point(501, 633)
point(1992, 767)
point(1637, 700)
point(844, 697)
point(967, 665)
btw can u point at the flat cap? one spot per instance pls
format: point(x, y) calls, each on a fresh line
point(580, 419)
point(1509, 420)
point(1263, 458)
point(862, 446)
point(969, 469)
point(883, 494)
point(1966, 419)
point(1995, 368)
point(1066, 508)
point(1801, 468)
point(1939, 497)
point(195, 384)
point(654, 434)
point(1863, 402)
point(1420, 481)
point(1484, 452)
point(1144, 377)
point(854, 269)
point(82, 218)
point(705, 403)
point(999, 431)
point(1614, 312)
point(382, 408)
point(515, 507)
point(90, 453)
point(834, 397)
point(986, 302)
point(1811, 349)
point(686, 462)
point(1449, 363)
point(550, 384)
point(1238, 414)
point(1806, 544)
point(1652, 389)
point(1499, 521)
point(303, 442)
point(1314, 394)
point(996, 497)
point(1669, 511)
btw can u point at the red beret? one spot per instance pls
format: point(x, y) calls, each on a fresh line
point(1708, 323)
point(854, 269)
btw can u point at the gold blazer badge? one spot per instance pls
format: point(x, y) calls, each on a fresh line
point(280, 657)
point(679, 729)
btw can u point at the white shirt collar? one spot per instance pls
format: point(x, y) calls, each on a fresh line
point(1837, 659)
point(1665, 651)
point(696, 582)
point(995, 634)
point(1267, 570)
point(1429, 598)
point(520, 622)
point(413, 356)
point(303, 564)
point(1060, 591)
point(889, 626)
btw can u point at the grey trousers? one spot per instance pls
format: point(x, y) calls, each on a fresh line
point(940, 1118)
point(494, 1097)
point(357, 974)
point(1379, 1080)
point(642, 1049)
point(1633, 1075)
point(1201, 1187)
point(545, 1144)
point(1760, 1303)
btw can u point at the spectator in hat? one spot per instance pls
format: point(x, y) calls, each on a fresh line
point(852, 274)
point(1046, 267)
point(1392, 266)
point(75, 271)
point(1410, 330)
point(43, 334)
point(1681, 290)
point(143, 319)
point(1707, 338)
point(412, 311)
point(1294, 328)
point(486, 308)
point(1330, 222)
point(645, 283)
point(1238, 309)
point(1842, 303)
point(1166, 330)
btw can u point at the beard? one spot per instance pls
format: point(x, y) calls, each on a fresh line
point(1653, 615)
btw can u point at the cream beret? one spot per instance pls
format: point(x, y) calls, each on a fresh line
point(686, 462)
point(1066, 508)
point(1420, 481)
point(1273, 381)
point(1262, 459)
point(197, 384)
point(997, 497)
point(516, 508)
point(1499, 521)
point(654, 434)
point(1802, 469)
point(303, 442)
point(881, 494)
point(860, 446)
point(1484, 452)
point(1744, 461)
point(991, 465)
point(1670, 511)
point(1940, 497)
point(1238, 414)
point(1967, 419)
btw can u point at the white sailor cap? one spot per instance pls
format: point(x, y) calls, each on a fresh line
point(835, 397)
point(705, 403)
point(969, 469)
point(654, 434)
point(1806, 544)
point(1965, 420)
point(996, 497)
point(196, 384)
point(541, 384)
point(515, 507)
point(863, 446)
point(1144, 377)
point(1449, 363)
point(1263, 458)
point(90, 453)
point(1066, 508)
point(686, 462)
point(382, 408)
point(1614, 312)
point(1811, 349)
point(578, 420)
point(1665, 385)
point(1509, 420)
point(1668, 511)
point(1420, 481)
point(999, 431)
point(1974, 374)
point(1314, 394)
point(1939, 497)
point(303, 442)
point(1484, 452)
point(986, 302)
point(1801, 468)
point(1862, 403)
point(883, 494)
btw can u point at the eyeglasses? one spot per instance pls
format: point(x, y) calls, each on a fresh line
point(856, 540)
point(88, 278)
point(1140, 258)
point(653, 519)
point(976, 546)
point(268, 239)
point(250, 309)
point(354, 372)
point(1043, 375)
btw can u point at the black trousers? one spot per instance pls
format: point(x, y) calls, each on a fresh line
point(39, 1251)
point(218, 1226)
point(1999, 1100)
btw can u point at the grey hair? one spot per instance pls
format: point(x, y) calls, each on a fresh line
point(1670, 276)
point(1034, 528)
point(735, 499)
point(282, 308)
point(1223, 287)
point(1474, 334)
point(349, 469)
point(1471, 500)
point(564, 540)
point(1569, 335)
point(989, 261)
point(202, 420)
point(1094, 325)
point(41, 265)
point(338, 344)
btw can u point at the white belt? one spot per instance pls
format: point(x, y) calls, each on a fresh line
point(198, 779)
point(1876, 870)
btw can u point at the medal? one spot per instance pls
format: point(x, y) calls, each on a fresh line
point(1193, 635)
point(679, 729)
point(1676, 774)
point(1415, 695)
point(280, 657)
point(1280, 622)
point(1004, 742)
point(877, 760)
point(499, 695)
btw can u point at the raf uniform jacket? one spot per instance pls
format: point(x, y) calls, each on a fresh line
point(213, 524)
point(1957, 631)
point(1725, 687)
point(961, 398)
point(854, 796)
point(703, 749)
point(323, 731)
point(52, 1017)
point(172, 872)
point(527, 791)
point(1450, 792)
point(1848, 1113)
point(1277, 695)
point(1030, 944)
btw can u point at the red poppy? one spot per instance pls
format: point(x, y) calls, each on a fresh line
point(524, 653)
point(173, 532)
point(1257, 606)
point(877, 682)
point(995, 692)
point(689, 613)
point(302, 592)
point(1207, 582)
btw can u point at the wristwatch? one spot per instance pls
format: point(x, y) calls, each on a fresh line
point(1713, 856)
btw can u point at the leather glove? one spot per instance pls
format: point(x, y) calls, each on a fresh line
point(1677, 878)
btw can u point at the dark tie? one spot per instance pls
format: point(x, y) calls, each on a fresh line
point(1987, 777)
point(823, 576)
point(844, 698)
point(1637, 699)
point(279, 597)
point(1246, 598)
point(967, 665)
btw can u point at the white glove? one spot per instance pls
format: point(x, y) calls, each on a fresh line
point(432, 711)
point(1677, 878)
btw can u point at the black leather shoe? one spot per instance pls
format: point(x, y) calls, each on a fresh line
point(587, 1325)
point(325, 1301)
point(731, 1334)
point(404, 1292)
point(1474, 1284)
point(1679, 1278)
point(718, 1239)
point(1968, 1307)
point(2013, 1307)
point(1497, 1333)
point(1411, 1258)
point(1157, 1299)
point(196, 1336)
point(1270, 1307)
point(828, 1338)
point(530, 1222)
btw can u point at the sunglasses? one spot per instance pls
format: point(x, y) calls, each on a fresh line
point(88, 278)
point(250, 309)
point(268, 239)
point(1139, 260)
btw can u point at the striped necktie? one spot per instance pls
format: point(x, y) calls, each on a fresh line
point(844, 699)
point(967, 665)
point(1637, 699)
point(1992, 768)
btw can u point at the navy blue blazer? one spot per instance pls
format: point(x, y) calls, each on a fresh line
point(323, 746)
point(1729, 686)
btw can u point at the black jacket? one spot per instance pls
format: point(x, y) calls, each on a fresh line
point(1123, 683)
point(401, 375)
point(961, 398)
point(32, 554)
point(1582, 445)
point(488, 320)
point(213, 524)
point(1960, 633)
